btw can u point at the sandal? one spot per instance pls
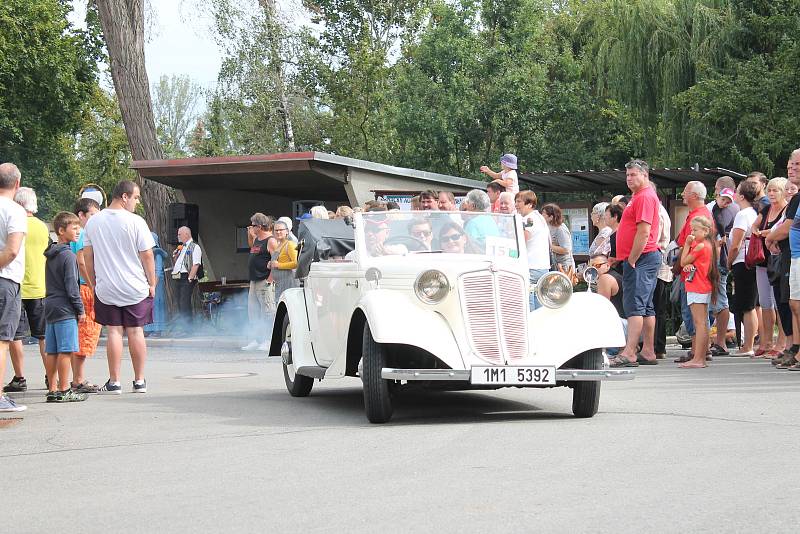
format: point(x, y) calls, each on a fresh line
point(795, 367)
point(621, 361)
point(641, 360)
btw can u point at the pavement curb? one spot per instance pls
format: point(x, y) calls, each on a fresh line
point(189, 343)
point(221, 343)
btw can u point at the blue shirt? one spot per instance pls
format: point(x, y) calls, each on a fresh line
point(75, 247)
point(479, 228)
point(794, 235)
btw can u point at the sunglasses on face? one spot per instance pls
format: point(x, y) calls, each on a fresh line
point(421, 233)
point(449, 238)
point(596, 265)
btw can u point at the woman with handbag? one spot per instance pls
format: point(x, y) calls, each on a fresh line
point(744, 278)
point(769, 217)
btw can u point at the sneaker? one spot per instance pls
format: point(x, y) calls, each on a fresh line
point(8, 405)
point(16, 385)
point(51, 396)
point(253, 345)
point(85, 387)
point(716, 350)
point(263, 347)
point(140, 387)
point(69, 396)
point(110, 389)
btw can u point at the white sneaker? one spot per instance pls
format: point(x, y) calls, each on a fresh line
point(263, 347)
point(253, 345)
point(8, 405)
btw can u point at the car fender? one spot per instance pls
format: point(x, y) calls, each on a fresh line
point(394, 319)
point(293, 303)
point(587, 321)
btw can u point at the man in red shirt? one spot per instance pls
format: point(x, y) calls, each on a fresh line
point(694, 197)
point(637, 247)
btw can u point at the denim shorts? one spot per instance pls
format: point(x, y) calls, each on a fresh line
point(697, 298)
point(61, 337)
point(638, 285)
point(722, 293)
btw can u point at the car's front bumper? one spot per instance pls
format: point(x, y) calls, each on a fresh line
point(562, 375)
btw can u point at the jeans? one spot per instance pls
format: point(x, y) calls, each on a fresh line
point(535, 274)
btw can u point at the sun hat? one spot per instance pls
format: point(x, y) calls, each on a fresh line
point(509, 160)
point(727, 192)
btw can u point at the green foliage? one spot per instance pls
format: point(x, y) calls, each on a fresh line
point(175, 100)
point(48, 72)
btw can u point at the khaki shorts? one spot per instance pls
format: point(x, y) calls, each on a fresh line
point(794, 279)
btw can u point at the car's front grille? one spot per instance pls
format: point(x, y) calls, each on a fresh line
point(496, 312)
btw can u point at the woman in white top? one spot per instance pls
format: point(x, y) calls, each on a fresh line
point(537, 239)
point(601, 243)
point(507, 177)
point(744, 279)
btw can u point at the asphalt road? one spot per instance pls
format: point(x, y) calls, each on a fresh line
point(674, 450)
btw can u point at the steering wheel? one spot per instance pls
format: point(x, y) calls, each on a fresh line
point(410, 242)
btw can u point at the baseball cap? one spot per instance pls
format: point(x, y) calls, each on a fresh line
point(727, 192)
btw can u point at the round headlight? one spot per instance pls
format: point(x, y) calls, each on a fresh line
point(431, 286)
point(554, 289)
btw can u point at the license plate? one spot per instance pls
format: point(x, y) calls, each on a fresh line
point(514, 376)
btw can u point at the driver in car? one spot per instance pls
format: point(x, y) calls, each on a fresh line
point(376, 231)
point(422, 230)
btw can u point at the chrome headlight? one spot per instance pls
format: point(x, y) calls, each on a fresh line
point(431, 286)
point(554, 289)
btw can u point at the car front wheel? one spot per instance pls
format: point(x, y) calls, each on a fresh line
point(586, 395)
point(377, 394)
point(298, 385)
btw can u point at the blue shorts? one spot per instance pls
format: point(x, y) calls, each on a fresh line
point(722, 292)
point(638, 285)
point(61, 337)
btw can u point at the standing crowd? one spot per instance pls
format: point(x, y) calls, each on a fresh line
point(100, 271)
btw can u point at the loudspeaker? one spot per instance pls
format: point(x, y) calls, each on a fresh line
point(300, 207)
point(181, 214)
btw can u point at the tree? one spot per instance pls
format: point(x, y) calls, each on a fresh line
point(257, 79)
point(123, 30)
point(174, 103)
point(48, 70)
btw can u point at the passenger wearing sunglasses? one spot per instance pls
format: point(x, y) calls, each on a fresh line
point(421, 230)
point(609, 282)
point(453, 239)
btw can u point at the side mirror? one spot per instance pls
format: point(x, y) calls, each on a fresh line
point(373, 274)
point(590, 275)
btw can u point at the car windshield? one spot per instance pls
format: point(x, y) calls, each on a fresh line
point(450, 232)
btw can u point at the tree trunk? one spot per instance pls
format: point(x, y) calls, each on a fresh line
point(123, 29)
point(270, 11)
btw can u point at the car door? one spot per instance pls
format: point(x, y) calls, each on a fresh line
point(333, 290)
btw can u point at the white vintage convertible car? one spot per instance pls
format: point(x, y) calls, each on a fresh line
point(437, 299)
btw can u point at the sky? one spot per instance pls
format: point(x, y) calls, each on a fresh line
point(180, 41)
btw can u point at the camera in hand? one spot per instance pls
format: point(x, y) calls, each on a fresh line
point(690, 276)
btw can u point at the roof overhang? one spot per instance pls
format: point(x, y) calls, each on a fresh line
point(291, 174)
point(614, 179)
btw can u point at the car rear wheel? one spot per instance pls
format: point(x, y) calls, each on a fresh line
point(586, 395)
point(377, 392)
point(298, 385)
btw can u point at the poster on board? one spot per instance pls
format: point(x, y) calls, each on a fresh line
point(577, 220)
point(404, 199)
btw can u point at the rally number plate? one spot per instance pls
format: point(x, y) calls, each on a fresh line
point(514, 376)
